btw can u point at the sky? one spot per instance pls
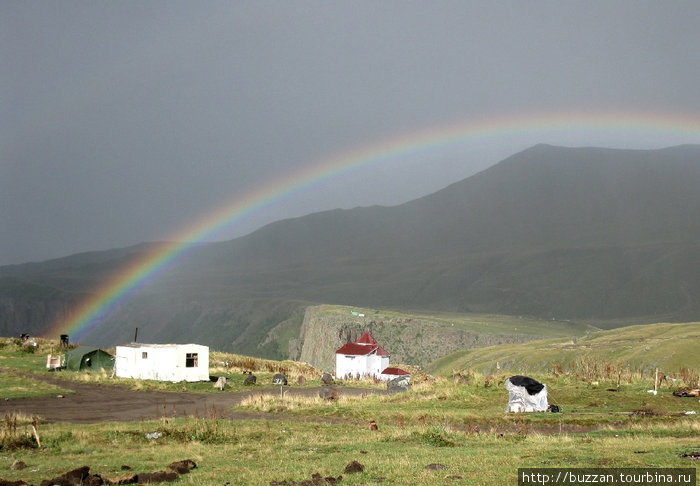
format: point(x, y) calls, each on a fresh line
point(124, 122)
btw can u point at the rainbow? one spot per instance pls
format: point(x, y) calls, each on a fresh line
point(664, 129)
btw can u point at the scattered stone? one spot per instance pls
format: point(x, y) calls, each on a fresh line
point(157, 477)
point(398, 385)
point(183, 467)
point(693, 456)
point(4, 482)
point(454, 476)
point(328, 393)
point(301, 381)
point(126, 479)
point(82, 477)
point(279, 379)
point(316, 480)
point(18, 465)
point(77, 477)
point(221, 383)
point(250, 380)
point(126, 468)
point(326, 378)
point(353, 467)
point(154, 435)
point(435, 467)
point(373, 425)
point(685, 392)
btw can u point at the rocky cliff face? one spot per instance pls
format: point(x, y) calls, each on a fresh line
point(30, 315)
point(410, 340)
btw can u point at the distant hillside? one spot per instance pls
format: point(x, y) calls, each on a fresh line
point(668, 347)
point(551, 232)
point(413, 338)
point(605, 236)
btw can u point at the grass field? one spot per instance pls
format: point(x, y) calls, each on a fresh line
point(456, 420)
point(480, 323)
point(641, 348)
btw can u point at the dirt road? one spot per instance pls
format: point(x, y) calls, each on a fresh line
point(93, 403)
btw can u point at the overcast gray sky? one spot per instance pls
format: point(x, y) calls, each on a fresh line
point(122, 122)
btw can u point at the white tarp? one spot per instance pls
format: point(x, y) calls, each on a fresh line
point(520, 399)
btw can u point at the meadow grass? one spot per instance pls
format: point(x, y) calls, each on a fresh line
point(15, 386)
point(257, 452)
point(457, 420)
point(32, 361)
point(476, 322)
point(636, 349)
point(480, 405)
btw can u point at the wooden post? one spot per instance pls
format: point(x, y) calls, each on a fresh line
point(36, 436)
point(656, 380)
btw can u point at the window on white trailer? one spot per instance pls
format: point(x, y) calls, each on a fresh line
point(191, 360)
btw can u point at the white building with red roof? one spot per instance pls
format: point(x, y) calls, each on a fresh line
point(365, 357)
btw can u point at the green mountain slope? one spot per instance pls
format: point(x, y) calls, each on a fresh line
point(668, 347)
point(587, 235)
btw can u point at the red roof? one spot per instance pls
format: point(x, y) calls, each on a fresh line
point(366, 339)
point(364, 346)
point(362, 349)
point(394, 371)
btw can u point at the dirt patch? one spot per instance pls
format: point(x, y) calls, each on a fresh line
point(93, 403)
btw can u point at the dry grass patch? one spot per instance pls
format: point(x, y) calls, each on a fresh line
point(274, 402)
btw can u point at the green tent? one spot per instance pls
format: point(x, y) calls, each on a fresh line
point(86, 358)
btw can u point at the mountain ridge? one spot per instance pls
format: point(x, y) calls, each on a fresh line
point(552, 232)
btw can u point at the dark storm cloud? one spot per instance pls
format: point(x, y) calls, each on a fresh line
point(122, 122)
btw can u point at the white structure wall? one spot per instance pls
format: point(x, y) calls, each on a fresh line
point(163, 362)
point(364, 365)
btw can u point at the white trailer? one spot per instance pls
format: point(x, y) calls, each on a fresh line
point(162, 362)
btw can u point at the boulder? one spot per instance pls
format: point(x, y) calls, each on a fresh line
point(353, 467)
point(250, 380)
point(76, 477)
point(279, 379)
point(4, 482)
point(328, 393)
point(157, 477)
point(326, 378)
point(221, 383)
point(182, 467)
point(399, 384)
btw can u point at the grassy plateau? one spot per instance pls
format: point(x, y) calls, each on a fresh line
point(450, 428)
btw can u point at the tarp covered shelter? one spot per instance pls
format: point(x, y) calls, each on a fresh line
point(87, 358)
point(526, 395)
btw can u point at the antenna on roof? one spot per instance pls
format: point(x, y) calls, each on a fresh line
point(136, 335)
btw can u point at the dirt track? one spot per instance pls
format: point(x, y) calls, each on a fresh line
point(104, 403)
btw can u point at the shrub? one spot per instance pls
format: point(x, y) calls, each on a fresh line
point(13, 436)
